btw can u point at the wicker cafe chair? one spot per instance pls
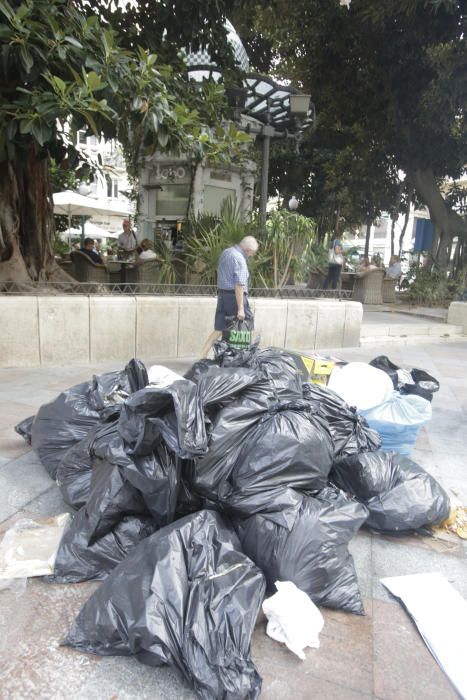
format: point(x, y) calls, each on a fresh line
point(144, 272)
point(368, 287)
point(316, 278)
point(389, 289)
point(85, 270)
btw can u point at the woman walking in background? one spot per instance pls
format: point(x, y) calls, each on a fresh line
point(336, 260)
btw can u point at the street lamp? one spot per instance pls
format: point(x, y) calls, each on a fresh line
point(293, 203)
point(299, 106)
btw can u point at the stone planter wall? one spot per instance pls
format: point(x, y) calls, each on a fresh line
point(74, 330)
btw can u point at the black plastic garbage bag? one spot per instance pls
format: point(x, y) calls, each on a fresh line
point(114, 387)
point(275, 365)
point(313, 552)
point(111, 498)
point(257, 457)
point(227, 356)
point(173, 412)
point(367, 474)
point(94, 530)
point(408, 381)
point(77, 560)
point(186, 596)
point(68, 419)
point(289, 448)
point(280, 369)
point(218, 385)
point(400, 495)
point(349, 430)
point(62, 423)
point(23, 428)
point(74, 472)
point(157, 477)
point(226, 434)
point(199, 368)
point(188, 501)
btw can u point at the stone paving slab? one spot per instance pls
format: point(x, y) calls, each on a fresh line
point(379, 656)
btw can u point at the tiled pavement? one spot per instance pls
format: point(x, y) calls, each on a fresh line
point(380, 655)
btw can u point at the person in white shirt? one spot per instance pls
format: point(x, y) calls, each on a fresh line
point(127, 240)
point(146, 251)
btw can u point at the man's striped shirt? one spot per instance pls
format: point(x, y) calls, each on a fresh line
point(232, 269)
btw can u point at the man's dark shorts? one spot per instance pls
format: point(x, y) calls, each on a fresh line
point(227, 306)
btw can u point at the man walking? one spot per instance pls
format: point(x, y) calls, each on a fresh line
point(232, 287)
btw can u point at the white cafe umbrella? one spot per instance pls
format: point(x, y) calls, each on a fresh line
point(91, 230)
point(71, 203)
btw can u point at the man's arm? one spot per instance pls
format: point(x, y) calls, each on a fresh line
point(239, 299)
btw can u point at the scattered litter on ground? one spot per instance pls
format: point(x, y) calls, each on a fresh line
point(440, 614)
point(456, 523)
point(29, 547)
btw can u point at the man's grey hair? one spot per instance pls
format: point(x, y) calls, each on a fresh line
point(249, 243)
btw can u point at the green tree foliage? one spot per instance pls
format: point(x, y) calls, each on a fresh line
point(62, 71)
point(168, 27)
point(389, 82)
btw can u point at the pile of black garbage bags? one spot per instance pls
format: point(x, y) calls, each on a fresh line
point(193, 498)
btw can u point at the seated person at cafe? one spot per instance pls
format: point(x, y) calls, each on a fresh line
point(146, 250)
point(127, 240)
point(394, 270)
point(88, 249)
point(377, 261)
point(364, 265)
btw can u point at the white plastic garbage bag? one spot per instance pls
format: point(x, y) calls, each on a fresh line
point(29, 547)
point(158, 375)
point(361, 385)
point(293, 618)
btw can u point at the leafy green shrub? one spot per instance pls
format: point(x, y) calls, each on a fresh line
point(60, 247)
point(428, 286)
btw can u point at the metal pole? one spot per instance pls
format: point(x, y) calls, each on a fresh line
point(83, 219)
point(264, 176)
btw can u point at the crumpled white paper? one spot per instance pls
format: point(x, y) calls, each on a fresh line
point(293, 618)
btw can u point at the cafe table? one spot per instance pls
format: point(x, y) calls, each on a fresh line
point(347, 280)
point(118, 270)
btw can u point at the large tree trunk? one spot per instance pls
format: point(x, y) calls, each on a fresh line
point(393, 228)
point(26, 220)
point(445, 221)
point(404, 227)
point(367, 238)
